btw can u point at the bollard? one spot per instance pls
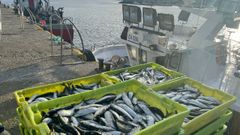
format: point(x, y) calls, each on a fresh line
point(107, 66)
point(100, 64)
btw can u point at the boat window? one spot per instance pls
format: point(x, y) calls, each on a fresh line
point(184, 16)
point(126, 13)
point(149, 17)
point(135, 14)
point(133, 52)
point(166, 21)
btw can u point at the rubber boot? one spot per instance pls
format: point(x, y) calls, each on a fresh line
point(3, 131)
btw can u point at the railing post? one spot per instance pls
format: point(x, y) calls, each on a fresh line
point(51, 35)
point(61, 42)
point(79, 34)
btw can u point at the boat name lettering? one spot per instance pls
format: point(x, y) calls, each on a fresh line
point(133, 38)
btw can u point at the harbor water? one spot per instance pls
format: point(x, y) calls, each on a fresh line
point(99, 21)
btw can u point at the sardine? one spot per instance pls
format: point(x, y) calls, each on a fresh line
point(86, 111)
point(109, 118)
point(101, 110)
point(93, 125)
point(105, 99)
point(74, 121)
point(122, 111)
point(146, 110)
point(128, 110)
point(122, 127)
point(130, 95)
point(47, 120)
point(197, 103)
point(134, 100)
point(127, 100)
point(150, 120)
point(103, 121)
point(66, 112)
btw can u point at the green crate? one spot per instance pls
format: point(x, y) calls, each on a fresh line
point(168, 126)
point(221, 131)
point(22, 124)
point(23, 130)
point(202, 120)
point(19, 111)
point(171, 73)
point(214, 126)
point(21, 95)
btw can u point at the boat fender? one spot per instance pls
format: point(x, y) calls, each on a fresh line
point(89, 55)
point(124, 33)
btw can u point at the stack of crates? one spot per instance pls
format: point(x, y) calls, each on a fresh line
point(210, 123)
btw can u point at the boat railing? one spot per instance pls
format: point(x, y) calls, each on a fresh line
point(63, 25)
point(79, 34)
point(61, 31)
point(32, 16)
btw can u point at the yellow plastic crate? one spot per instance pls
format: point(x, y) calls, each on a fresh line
point(173, 74)
point(221, 131)
point(214, 126)
point(168, 126)
point(23, 130)
point(204, 119)
point(21, 95)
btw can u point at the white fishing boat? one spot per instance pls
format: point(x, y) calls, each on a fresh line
point(195, 41)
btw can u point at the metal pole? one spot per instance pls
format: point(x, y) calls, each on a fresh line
point(51, 35)
point(33, 18)
point(62, 23)
point(52, 30)
point(61, 42)
point(69, 36)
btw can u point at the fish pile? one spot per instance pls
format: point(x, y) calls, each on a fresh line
point(110, 115)
point(147, 76)
point(193, 99)
point(69, 89)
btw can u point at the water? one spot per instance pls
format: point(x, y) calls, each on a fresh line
point(99, 21)
point(9, 2)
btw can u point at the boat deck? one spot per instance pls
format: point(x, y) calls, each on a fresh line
point(26, 61)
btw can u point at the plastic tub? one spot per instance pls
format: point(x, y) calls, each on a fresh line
point(173, 74)
point(21, 95)
point(168, 126)
point(214, 126)
point(204, 119)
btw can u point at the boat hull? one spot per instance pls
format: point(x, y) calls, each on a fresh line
point(68, 32)
point(107, 52)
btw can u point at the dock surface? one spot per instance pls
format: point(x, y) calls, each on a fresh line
point(26, 61)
